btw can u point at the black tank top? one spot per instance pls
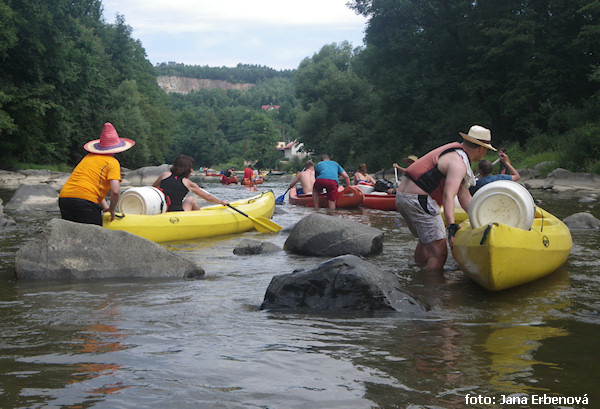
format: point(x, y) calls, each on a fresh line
point(174, 188)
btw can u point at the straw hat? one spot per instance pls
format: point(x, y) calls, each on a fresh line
point(480, 136)
point(109, 142)
point(410, 158)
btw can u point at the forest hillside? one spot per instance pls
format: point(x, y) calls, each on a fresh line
point(529, 71)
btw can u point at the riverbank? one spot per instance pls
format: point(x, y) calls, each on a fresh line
point(558, 181)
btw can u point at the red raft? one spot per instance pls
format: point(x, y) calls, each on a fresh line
point(348, 198)
point(380, 201)
point(248, 182)
point(231, 180)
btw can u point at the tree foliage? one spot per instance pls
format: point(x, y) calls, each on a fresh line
point(439, 67)
point(64, 72)
point(528, 70)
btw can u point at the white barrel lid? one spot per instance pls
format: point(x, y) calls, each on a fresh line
point(503, 201)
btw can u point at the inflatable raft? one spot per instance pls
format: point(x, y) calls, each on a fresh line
point(348, 198)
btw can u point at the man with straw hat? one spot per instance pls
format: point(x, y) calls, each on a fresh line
point(83, 197)
point(435, 180)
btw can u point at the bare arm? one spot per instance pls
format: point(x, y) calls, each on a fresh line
point(455, 173)
point(293, 182)
point(115, 193)
point(346, 178)
point(511, 170)
point(203, 193)
point(400, 168)
point(162, 176)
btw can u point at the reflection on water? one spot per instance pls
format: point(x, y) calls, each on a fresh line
point(204, 343)
point(512, 356)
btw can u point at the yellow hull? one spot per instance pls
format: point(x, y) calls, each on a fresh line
point(207, 222)
point(499, 256)
point(459, 215)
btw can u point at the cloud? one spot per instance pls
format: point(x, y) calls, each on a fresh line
point(278, 34)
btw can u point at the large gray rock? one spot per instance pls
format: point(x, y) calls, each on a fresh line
point(33, 198)
point(145, 176)
point(322, 235)
point(76, 251)
point(583, 220)
point(342, 283)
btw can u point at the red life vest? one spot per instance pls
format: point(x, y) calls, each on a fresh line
point(425, 173)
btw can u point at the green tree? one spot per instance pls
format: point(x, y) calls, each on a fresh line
point(335, 104)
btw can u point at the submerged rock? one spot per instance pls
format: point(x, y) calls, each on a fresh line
point(342, 283)
point(583, 220)
point(249, 247)
point(74, 251)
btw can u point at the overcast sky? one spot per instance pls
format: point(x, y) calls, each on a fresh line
point(275, 33)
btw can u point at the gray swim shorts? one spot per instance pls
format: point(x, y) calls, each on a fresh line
point(422, 216)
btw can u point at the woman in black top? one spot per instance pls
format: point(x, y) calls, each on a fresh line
point(176, 185)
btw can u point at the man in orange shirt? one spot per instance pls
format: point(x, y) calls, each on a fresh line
point(82, 199)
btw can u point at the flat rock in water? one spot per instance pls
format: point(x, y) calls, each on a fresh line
point(575, 181)
point(322, 235)
point(74, 251)
point(5, 221)
point(31, 198)
point(342, 283)
point(250, 247)
point(581, 221)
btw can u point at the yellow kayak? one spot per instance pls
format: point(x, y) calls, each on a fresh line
point(497, 256)
point(207, 222)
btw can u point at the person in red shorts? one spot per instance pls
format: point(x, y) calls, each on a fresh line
point(327, 174)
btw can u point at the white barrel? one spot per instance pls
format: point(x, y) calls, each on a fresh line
point(142, 200)
point(503, 201)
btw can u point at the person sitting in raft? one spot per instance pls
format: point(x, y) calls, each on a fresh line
point(485, 171)
point(176, 185)
point(306, 178)
point(362, 176)
point(227, 175)
point(82, 199)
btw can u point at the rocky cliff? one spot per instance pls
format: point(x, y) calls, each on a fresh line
point(184, 85)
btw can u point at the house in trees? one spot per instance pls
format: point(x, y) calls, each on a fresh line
point(291, 149)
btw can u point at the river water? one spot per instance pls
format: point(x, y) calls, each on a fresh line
point(205, 343)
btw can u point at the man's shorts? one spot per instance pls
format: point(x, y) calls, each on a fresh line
point(330, 185)
point(422, 216)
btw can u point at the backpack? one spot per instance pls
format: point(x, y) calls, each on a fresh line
point(382, 185)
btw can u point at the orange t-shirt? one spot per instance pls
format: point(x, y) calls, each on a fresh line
point(90, 179)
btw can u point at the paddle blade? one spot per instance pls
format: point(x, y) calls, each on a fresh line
point(261, 224)
point(280, 199)
point(264, 225)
